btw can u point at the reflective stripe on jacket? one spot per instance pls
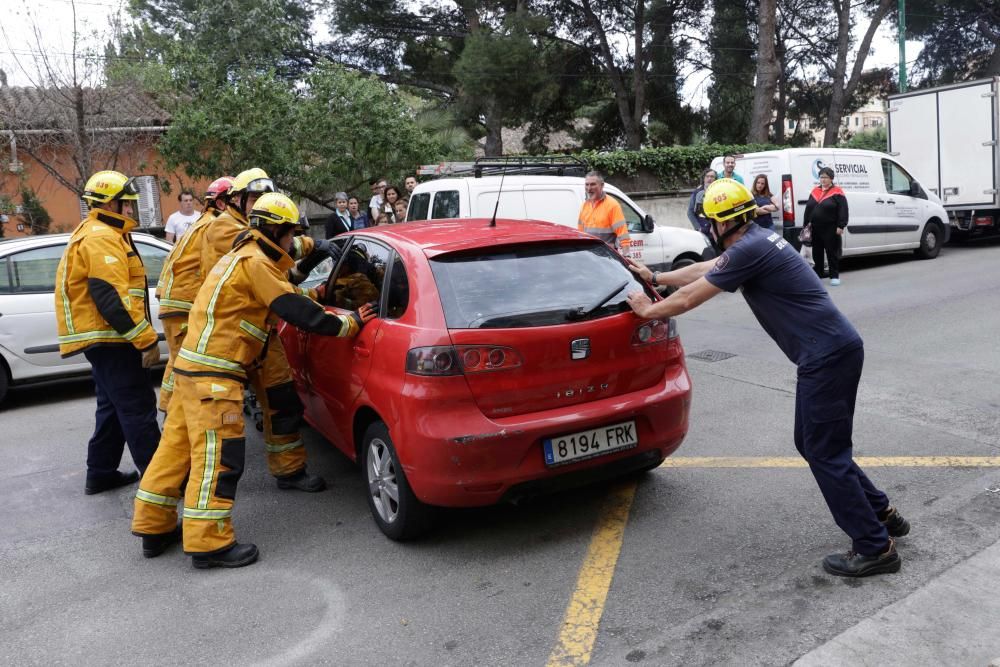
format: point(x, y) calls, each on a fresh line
point(241, 300)
point(605, 220)
point(181, 275)
point(101, 287)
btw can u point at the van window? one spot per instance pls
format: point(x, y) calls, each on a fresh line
point(446, 205)
point(897, 181)
point(419, 204)
point(632, 218)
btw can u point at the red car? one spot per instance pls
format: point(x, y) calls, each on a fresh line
point(504, 363)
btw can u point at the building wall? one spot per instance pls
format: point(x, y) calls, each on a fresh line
point(137, 158)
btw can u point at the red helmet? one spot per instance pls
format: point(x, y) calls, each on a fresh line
point(219, 186)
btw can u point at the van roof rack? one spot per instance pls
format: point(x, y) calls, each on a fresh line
point(554, 165)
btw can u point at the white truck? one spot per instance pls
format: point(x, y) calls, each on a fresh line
point(949, 136)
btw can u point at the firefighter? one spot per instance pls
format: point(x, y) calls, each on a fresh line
point(272, 381)
point(181, 277)
point(102, 311)
point(230, 332)
point(792, 306)
point(602, 216)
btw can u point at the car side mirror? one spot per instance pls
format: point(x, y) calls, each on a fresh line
point(648, 224)
point(916, 190)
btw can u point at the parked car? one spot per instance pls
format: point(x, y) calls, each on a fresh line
point(554, 198)
point(29, 347)
point(504, 363)
point(889, 210)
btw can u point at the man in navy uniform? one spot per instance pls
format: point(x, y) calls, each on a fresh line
point(794, 309)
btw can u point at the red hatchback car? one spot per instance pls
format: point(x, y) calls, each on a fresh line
point(504, 363)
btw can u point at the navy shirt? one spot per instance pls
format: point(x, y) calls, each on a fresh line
point(785, 296)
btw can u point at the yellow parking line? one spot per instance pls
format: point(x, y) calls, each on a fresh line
point(863, 461)
point(583, 614)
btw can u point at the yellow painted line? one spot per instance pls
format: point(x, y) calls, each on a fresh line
point(863, 461)
point(583, 614)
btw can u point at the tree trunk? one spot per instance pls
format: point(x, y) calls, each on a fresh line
point(780, 116)
point(638, 76)
point(494, 133)
point(767, 73)
point(842, 92)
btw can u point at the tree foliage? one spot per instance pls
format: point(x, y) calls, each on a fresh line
point(961, 39)
point(330, 133)
point(33, 214)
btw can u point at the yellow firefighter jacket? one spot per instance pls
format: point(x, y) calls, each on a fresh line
point(101, 287)
point(221, 236)
point(240, 302)
point(181, 275)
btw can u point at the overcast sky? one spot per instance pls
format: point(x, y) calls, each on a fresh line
point(18, 44)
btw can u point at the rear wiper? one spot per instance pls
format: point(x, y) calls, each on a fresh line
point(580, 313)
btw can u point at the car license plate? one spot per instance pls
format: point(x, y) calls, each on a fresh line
point(590, 443)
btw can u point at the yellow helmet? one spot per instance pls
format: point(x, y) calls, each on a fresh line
point(726, 199)
point(274, 208)
point(106, 186)
point(252, 180)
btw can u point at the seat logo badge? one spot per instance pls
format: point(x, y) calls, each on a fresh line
point(579, 349)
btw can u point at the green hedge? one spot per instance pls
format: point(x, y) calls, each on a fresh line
point(673, 166)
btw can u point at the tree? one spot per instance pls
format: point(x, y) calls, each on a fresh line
point(876, 139)
point(33, 214)
point(843, 90)
point(768, 70)
point(328, 132)
point(670, 121)
point(67, 121)
point(730, 97)
point(961, 39)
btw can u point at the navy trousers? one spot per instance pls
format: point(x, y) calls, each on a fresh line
point(824, 420)
point(126, 410)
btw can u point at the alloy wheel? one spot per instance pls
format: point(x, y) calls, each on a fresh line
point(382, 483)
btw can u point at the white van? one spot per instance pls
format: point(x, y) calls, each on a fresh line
point(889, 210)
point(557, 199)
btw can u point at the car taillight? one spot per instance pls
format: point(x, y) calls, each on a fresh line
point(479, 358)
point(787, 201)
point(454, 360)
point(437, 360)
point(655, 331)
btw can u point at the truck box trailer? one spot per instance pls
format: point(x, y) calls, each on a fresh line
point(948, 137)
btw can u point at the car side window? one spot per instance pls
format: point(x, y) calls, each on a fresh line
point(152, 258)
point(359, 276)
point(398, 289)
point(5, 286)
point(632, 217)
point(35, 270)
point(419, 203)
point(446, 205)
point(897, 181)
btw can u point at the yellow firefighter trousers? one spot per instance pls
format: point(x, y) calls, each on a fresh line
point(203, 434)
point(174, 330)
point(282, 410)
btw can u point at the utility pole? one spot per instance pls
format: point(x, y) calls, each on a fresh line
point(902, 46)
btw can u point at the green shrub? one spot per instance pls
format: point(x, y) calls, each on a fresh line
point(34, 215)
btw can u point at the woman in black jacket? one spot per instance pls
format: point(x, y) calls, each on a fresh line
point(826, 211)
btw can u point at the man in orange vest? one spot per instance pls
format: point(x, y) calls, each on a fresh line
point(602, 216)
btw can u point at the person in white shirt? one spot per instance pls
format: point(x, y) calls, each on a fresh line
point(377, 202)
point(179, 221)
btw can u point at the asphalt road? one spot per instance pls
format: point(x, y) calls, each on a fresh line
point(717, 565)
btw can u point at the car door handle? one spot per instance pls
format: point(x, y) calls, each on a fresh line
point(891, 201)
point(362, 351)
point(879, 201)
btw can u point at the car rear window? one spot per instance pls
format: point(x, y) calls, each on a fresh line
point(531, 285)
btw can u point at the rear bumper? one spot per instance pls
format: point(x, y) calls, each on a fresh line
point(455, 457)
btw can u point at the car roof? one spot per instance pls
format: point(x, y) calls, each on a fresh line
point(19, 243)
point(437, 236)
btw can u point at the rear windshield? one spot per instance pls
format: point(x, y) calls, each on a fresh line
point(532, 285)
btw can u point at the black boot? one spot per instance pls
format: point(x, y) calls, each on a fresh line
point(894, 523)
point(112, 481)
point(154, 545)
point(237, 555)
point(853, 564)
point(303, 481)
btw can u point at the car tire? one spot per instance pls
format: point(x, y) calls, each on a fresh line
point(4, 380)
point(681, 262)
point(930, 241)
point(403, 517)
